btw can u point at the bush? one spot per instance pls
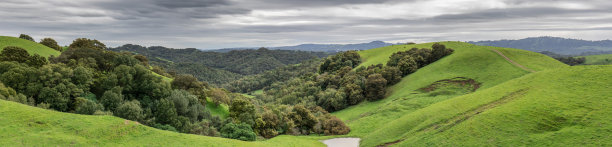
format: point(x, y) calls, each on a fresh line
point(375, 87)
point(26, 37)
point(13, 53)
point(49, 42)
point(334, 126)
point(239, 131)
point(130, 110)
point(85, 106)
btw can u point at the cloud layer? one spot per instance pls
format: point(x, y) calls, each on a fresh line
point(238, 23)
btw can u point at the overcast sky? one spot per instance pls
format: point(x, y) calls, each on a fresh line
point(208, 24)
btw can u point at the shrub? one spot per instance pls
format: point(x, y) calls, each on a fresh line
point(239, 131)
point(26, 37)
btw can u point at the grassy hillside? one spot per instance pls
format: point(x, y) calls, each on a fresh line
point(605, 59)
point(31, 47)
point(22, 125)
point(561, 107)
point(470, 61)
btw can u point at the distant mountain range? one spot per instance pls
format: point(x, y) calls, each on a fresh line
point(319, 47)
point(557, 45)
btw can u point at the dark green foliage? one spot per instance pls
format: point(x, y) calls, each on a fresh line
point(166, 112)
point(265, 79)
point(26, 37)
point(375, 87)
point(130, 110)
point(268, 124)
point(13, 53)
point(439, 51)
point(242, 111)
point(391, 74)
point(407, 65)
point(87, 43)
point(572, 60)
point(142, 59)
point(334, 126)
point(51, 43)
point(85, 106)
point(348, 58)
point(8, 93)
point(191, 84)
point(112, 99)
point(303, 118)
point(219, 68)
point(239, 131)
point(204, 127)
point(332, 99)
point(37, 61)
point(219, 96)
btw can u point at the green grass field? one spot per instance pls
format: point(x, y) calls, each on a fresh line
point(22, 125)
point(605, 59)
point(557, 105)
point(222, 110)
point(31, 47)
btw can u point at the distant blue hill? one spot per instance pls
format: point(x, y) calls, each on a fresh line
point(320, 47)
point(557, 45)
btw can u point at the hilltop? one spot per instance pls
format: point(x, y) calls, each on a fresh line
point(557, 45)
point(30, 46)
point(320, 47)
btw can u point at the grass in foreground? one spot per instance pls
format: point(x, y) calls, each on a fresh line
point(23, 125)
point(31, 47)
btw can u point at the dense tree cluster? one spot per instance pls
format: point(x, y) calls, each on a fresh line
point(26, 37)
point(51, 43)
point(219, 68)
point(338, 85)
point(87, 79)
point(263, 80)
point(572, 60)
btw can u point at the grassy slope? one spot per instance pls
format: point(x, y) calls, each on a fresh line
point(222, 110)
point(31, 47)
point(561, 107)
point(22, 125)
point(605, 59)
point(476, 62)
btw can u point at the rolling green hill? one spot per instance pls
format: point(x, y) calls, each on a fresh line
point(473, 97)
point(605, 59)
point(31, 47)
point(23, 125)
point(561, 107)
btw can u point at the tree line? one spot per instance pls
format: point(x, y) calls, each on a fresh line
point(338, 85)
point(87, 78)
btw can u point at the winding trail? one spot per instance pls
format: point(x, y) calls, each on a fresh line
point(512, 62)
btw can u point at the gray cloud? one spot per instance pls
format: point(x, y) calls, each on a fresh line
point(236, 23)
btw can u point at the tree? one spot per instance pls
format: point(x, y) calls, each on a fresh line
point(85, 106)
point(355, 94)
point(130, 110)
point(239, 131)
point(111, 99)
point(142, 59)
point(13, 53)
point(332, 99)
point(439, 51)
point(87, 43)
point(204, 127)
point(37, 61)
point(26, 37)
point(166, 113)
point(242, 111)
point(303, 118)
point(49, 42)
point(391, 74)
point(334, 126)
point(219, 96)
point(407, 65)
point(375, 87)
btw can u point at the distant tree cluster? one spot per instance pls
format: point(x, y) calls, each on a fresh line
point(26, 37)
point(338, 86)
point(218, 68)
point(51, 43)
point(572, 60)
point(88, 79)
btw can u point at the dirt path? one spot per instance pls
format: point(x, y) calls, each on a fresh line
point(509, 60)
point(342, 142)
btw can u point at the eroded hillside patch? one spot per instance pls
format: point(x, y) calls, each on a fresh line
point(452, 86)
